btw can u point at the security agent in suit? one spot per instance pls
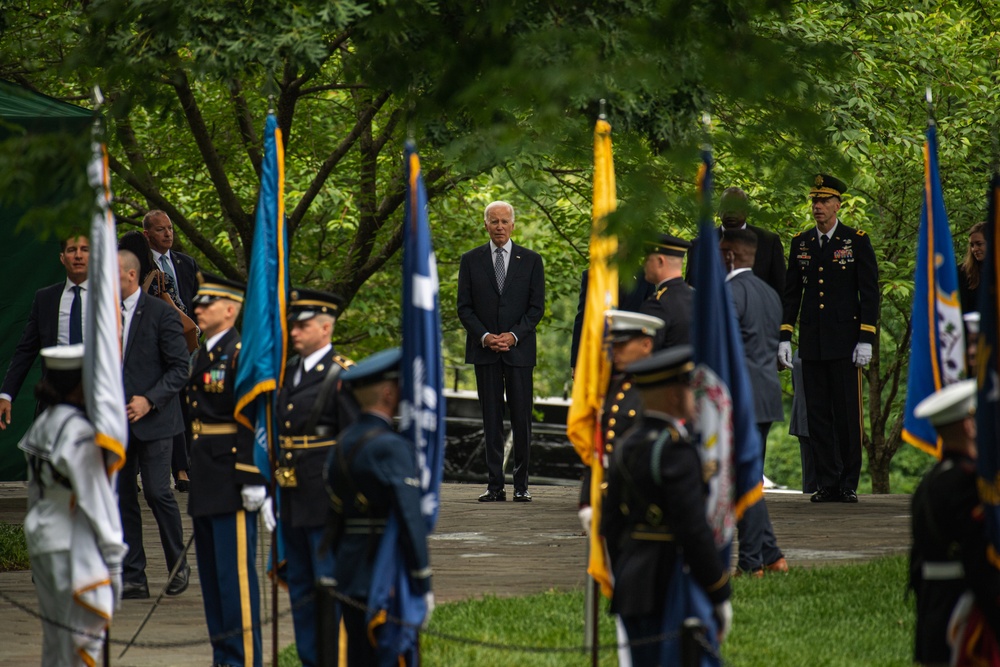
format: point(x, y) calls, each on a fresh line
point(183, 273)
point(671, 302)
point(632, 337)
point(371, 473)
point(227, 489)
point(769, 262)
point(155, 368)
point(832, 290)
point(56, 318)
point(501, 299)
point(758, 312)
point(949, 553)
point(654, 512)
point(312, 410)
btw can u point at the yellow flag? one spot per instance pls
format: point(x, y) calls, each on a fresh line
point(593, 364)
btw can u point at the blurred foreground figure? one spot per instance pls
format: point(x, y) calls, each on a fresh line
point(958, 590)
point(73, 528)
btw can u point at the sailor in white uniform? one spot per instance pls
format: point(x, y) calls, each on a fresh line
point(73, 527)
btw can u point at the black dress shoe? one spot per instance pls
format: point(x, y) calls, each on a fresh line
point(522, 496)
point(493, 496)
point(848, 496)
point(180, 581)
point(826, 495)
point(134, 591)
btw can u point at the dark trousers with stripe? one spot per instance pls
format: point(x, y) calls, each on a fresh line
point(226, 548)
point(833, 405)
point(306, 563)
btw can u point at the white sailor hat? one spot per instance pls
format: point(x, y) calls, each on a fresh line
point(626, 325)
point(949, 405)
point(63, 357)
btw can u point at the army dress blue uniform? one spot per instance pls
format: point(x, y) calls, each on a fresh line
point(654, 514)
point(371, 473)
point(222, 462)
point(833, 293)
point(622, 406)
point(303, 502)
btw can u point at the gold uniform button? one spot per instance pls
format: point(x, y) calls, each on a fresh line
point(194, 404)
point(320, 368)
point(821, 294)
point(288, 424)
point(614, 408)
point(234, 450)
point(821, 306)
point(620, 396)
point(820, 281)
point(194, 437)
point(631, 413)
point(611, 435)
point(821, 268)
point(611, 422)
point(626, 386)
point(290, 406)
point(288, 456)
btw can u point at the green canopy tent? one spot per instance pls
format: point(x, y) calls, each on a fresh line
point(29, 263)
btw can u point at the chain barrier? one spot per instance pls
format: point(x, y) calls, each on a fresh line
point(444, 636)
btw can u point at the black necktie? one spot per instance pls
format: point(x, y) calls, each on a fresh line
point(498, 268)
point(822, 241)
point(76, 317)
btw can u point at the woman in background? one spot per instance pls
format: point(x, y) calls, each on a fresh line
point(970, 270)
point(150, 278)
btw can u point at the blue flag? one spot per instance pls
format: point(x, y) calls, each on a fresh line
point(729, 440)
point(988, 375)
point(421, 421)
point(261, 367)
point(937, 348)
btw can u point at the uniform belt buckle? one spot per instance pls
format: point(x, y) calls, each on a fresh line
point(286, 477)
point(196, 426)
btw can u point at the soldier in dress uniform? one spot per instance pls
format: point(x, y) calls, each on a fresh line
point(632, 337)
point(671, 301)
point(949, 552)
point(831, 289)
point(312, 410)
point(372, 473)
point(654, 512)
point(73, 529)
point(226, 489)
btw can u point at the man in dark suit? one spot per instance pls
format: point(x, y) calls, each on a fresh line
point(56, 318)
point(159, 231)
point(671, 302)
point(155, 366)
point(312, 410)
point(501, 299)
point(630, 298)
point(833, 279)
point(758, 311)
point(227, 488)
point(769, 262)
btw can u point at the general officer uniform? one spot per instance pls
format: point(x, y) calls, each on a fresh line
point(831, 289)
point(371, 474)
point(222, 465)
point(312, 410)
point(654, 513)
point(671, 300)
point(622, 403)
point(949, 552)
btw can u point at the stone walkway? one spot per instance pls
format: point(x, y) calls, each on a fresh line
point(478, 549)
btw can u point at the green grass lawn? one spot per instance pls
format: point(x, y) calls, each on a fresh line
point(844, 615)
point(13, 548)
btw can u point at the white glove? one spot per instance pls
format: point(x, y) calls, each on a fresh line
point(429, 601)
point(862, 354)
point(253, 497)
point(115, 574)
point(586, 514)
point(724, 614)
point(267, 516)
point(785, 354)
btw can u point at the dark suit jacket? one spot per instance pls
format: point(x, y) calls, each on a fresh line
point(758, 310)
point(156, 366)
point(768, 264)
point(482, 309)
point(41, 331)
point(187, 278)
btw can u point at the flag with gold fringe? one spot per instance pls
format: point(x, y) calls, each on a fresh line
point(593, 364)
